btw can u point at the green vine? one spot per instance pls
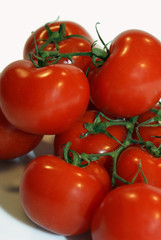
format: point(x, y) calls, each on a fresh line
point(98, 126)
point(45, 58)
point(152, 122)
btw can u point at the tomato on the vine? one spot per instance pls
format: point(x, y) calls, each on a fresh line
point(129, 212)
point(13, 142)
point(45, 100)
point(60, 197)
point(128, 166)
point(129, 82)
point(68, 45)
point(149, 133)
point(93, 143)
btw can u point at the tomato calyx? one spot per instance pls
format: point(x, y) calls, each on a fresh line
point(45, 58)
point(101, 127)
point(76, 159)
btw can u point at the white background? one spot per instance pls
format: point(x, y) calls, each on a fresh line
point(18, 19)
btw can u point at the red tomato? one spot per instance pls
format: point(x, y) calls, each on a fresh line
point(129, 212)
point(44, 100)
point(73, 44)
point(101, 174)
point(128, 83)
point(149, 133)
point(94, 143)
point(13, 142)
point(128, 163)
point(60, 197)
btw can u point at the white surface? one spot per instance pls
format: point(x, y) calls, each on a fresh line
point(18, 19)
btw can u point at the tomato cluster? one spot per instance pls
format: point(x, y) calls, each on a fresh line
point(102, 105)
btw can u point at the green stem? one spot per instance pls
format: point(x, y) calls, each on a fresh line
point(56, 54)
point(76, 158)
point(45, 58)
point(117, 152)
point(114, 154)
point(70, 55)
point(52, 57)
point(152, 122)
point(105, 45)
point(53, 38)
point(66, 152)
point(142, 173)
point(99, 127)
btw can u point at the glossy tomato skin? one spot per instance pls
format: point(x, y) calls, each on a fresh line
point(129, 212)
point(149, 133)
point(44, 100)
point(101, 174)
point(128, 164)
point(128, 84)
point(94, 143)
point(74, 44)
point(13, 142)
point(60, 197)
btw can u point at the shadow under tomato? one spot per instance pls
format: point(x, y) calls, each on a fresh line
point(85, 236)
point(10, 176)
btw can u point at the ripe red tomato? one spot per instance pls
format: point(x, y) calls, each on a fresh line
point(128, 164)
point(129, 212)
point(60, 197)
point(101, 174)
point(128, 83)
point(94, 143)
point(149, 133)
point(70, 45)
point(45, 100)
point(13, 142)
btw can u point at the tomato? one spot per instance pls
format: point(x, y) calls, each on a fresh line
point(149, 133)
point(128, 83)
point(129, 212)
point(45, 100)
point(70, 45)
point(101, 174)
point(60, 197)
point(13, 142)
point(91, 144)
point(128, 164)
